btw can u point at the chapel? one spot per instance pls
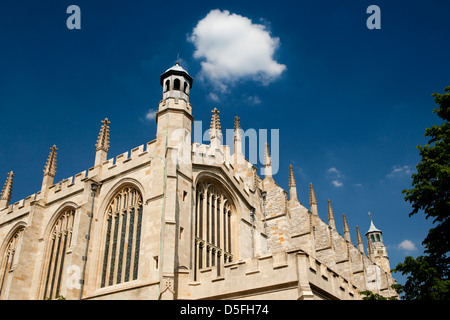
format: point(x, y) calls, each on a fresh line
point(172, 219)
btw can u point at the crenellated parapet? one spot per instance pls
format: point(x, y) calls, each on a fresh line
point(291, 274)
point(68, 187)
point(306, 230)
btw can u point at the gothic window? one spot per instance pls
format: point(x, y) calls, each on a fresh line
point(212, 228)
point(60, 241)
point(372, 238)
point(7, 261)
point(378, 237)
point(176, 84)
point(123, 236)
point(167, 86)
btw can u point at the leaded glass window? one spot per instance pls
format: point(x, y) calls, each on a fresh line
point(212, 228)
point(123, 235)
point(60, 241)
point(8, 259)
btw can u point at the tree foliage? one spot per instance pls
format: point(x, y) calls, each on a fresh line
point(425, 282)
point(369, 295)
point(429, 275)
point(432, 181)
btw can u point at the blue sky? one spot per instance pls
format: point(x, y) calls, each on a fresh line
point(351, 104)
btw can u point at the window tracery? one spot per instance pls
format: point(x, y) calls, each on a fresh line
point(60, 241)
point(7, 261)
point(123, 236)
point(212, 228)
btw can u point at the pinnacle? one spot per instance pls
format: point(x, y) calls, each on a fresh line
point(7, 189)
point(346, 229)
point(292, 182)
point(237, 124)
point(330, 211)
point(345, 223)
point(312, 195)
point(215, 120)
point(358, 236)
point(103, 137)
point(215, 133)
point(331, 221)
point(50, 166)
point(267, 158)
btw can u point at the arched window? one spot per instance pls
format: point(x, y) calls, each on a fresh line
point(167, 86)
point(176, 84)
point(7, 261)
point(185, 87)
point(212, 228)
point(372, 238)
point(60, 241)
point(123, 237)
point(378, 237)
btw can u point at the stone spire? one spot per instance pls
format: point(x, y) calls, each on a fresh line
point(237, 136)
point(267, 158)
point(7, 191)
point(50, 169)
point(331, 221)
point(103, 137)
point(237, 123)
point(359, 240)
point(292, 185)
point(292, 182)
point(102, 145)
point(312, 200)
point(346, 229)
point(215, 131)
point(267, 163)
point(50, 166)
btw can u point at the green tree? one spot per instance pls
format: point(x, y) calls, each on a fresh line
point(369, 295)
point(425, 282)
point(429, 274)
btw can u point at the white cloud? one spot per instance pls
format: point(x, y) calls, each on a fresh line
point(334, 171)
point(151, 114)
point(337, 183)
point(214, 97)
point(407, 245)
point(233, 48)
point(336, 175)
point(253, 100)
point(399, 171)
